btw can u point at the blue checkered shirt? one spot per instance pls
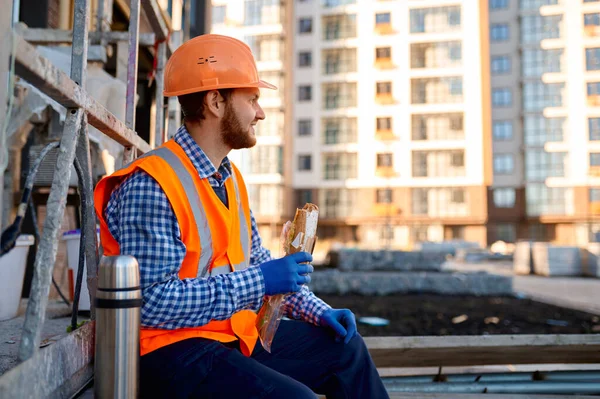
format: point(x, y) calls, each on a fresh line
point(140, 218)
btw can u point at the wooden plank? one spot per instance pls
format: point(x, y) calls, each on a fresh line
point(40, 72)
point(58, 36)
point(482, 396)
point(59, 370)
point(483, 350)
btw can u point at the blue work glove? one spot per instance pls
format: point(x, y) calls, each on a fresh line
point(342, 322)
point(286, 274)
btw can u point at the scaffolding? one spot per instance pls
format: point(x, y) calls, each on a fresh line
point(74, 149)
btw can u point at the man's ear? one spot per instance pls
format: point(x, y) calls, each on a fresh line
point(213, 102)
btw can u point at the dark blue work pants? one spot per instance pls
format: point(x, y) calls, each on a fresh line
point(304, 358)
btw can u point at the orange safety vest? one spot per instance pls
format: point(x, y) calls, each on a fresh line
point(217, 239)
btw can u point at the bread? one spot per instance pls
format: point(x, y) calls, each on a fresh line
point(302, 233)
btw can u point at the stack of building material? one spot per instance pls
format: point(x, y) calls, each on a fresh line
point(398, 272)
point(550, 260)
point(522, 258)
point(591, 259)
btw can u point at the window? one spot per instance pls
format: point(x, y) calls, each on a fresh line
point(339, 166)
point(437, 90)
point(591, 19)
point(498, 4)
point(592, 59)
point(305, 25)
point(498, 32)
point(338, 60)
point(436, 55)
point(304, 197)
point(594, 129)
point(506, 232)
point(305, 93)
point(265, 47)
point(500, 64)
point(384, 88)
point(384, 160)
point(504, 197)
point(266, 159)
point(440, 202)
point(536, 4)
point(539, 130)
point(304, 162)
point(335, 27)
point(338, 95)
point(383, 53)
point(383, 18)
point(305, 127)
point(540, 165)
point(218, 14)
point(502, 130)
point(384, 123)
point(272, 125)
point(542, 199)
point(336, 3)
point(438, 126)
point(262, 12)
point(535, 28)
point(594, 194)
point(594, 158)
point(504, 164)
point(501, 97)
point(536, 62)
point(537, 95)
point(339, 130)
point(435, 19)
point(384, 196)
point(305, 59)
point(441, 163)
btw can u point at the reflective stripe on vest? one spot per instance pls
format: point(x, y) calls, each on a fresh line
point(200, 217)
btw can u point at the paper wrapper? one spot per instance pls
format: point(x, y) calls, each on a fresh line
point(297, 236)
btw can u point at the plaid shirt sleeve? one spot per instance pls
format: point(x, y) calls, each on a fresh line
point(140, 218)
point(302, 305)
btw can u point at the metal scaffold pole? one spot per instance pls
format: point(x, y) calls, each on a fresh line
point(129, 154)
point(46, 255)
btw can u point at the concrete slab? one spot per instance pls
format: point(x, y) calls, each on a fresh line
point(384, 283)
point(57, 320)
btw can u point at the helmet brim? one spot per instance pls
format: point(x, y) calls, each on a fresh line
point(266, 85)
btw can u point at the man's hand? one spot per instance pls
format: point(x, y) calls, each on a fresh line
point(342, 321)
point(287, 274)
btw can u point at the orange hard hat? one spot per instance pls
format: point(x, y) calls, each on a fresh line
point(211, 62)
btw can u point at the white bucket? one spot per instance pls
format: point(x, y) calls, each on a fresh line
point(72, 239)
point(12, 271)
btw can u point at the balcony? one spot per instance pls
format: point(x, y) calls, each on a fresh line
point(595, 208)
point(448, 90)
point(385, 135)
point(339, 95)
point(591, 30)
point(385, 171)
point(384, 29)
point(386, 209)
point(339, 131)
point(436, 55)
point(384, 99)
point(594, 171)
point(438, 127)
point(593, 100)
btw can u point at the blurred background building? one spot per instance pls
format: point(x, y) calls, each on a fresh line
point(416, 120)
point(545, 55)
point(374, 137)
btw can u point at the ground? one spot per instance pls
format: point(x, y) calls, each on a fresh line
point(434, 314)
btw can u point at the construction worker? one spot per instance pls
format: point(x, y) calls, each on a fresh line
point(182, 210)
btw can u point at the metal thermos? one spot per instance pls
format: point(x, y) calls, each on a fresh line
point(118, 303)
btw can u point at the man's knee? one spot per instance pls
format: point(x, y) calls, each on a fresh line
point(355, 352)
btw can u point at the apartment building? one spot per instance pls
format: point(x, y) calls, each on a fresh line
point(391, 128)
point(545, 58)
point(262, 25)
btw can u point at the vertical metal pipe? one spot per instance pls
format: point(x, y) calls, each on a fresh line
point(46, 255)
point(132, 64)
point(160, 99)
point(5, 55)
point(173, 109)
point(118, 302)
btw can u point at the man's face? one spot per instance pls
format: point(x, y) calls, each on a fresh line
point(242, 112)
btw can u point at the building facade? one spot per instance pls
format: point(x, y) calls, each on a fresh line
point(545, 58)
point(391, 132)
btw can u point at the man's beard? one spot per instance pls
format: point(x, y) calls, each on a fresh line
point(232, 132)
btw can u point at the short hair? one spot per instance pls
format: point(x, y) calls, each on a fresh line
point(192, 105)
